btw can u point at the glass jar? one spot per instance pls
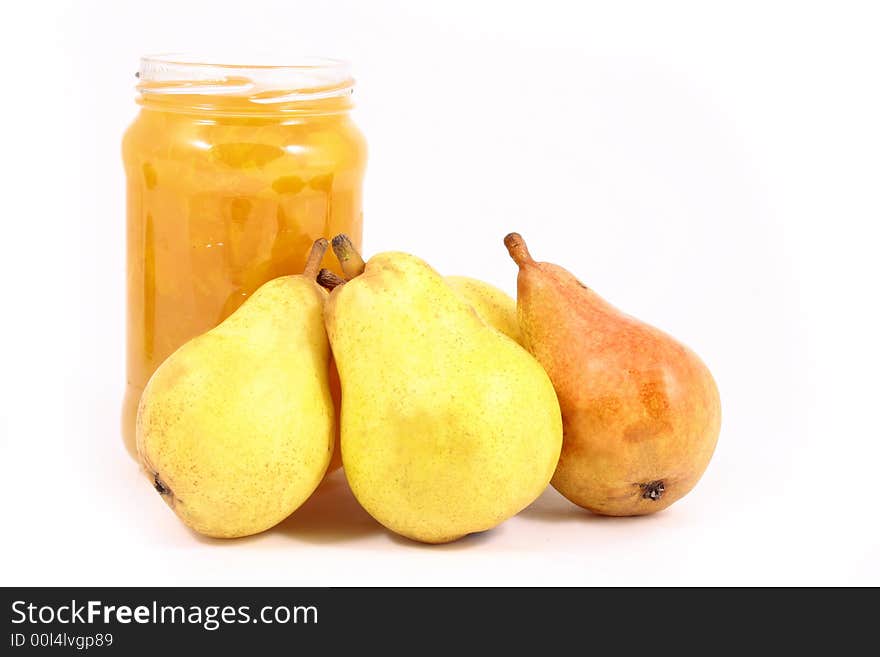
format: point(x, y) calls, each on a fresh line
point(232, 172)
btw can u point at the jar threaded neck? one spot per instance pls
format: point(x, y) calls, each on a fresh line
point(312, 84)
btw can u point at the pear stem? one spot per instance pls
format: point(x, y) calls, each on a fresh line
point(327, 279)
point(313, 262)
point(516, 247)
point(349, 259)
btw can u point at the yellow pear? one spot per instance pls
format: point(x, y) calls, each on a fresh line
point(493, 305)
point(235, 429)
point(448, 426)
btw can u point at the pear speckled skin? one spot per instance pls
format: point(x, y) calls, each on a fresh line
point(641, 411)
point(448, 426)
point(236, 428)
point(493, 305)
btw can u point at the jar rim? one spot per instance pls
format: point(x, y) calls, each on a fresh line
point(263, 81)
point(195, 60)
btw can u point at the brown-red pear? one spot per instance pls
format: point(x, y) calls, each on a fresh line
point(641, 412)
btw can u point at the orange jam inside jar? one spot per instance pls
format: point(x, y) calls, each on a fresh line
point(232, 172)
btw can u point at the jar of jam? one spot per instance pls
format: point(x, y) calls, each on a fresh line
point(232, 172)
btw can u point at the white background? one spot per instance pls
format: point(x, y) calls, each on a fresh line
point(710, 167)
